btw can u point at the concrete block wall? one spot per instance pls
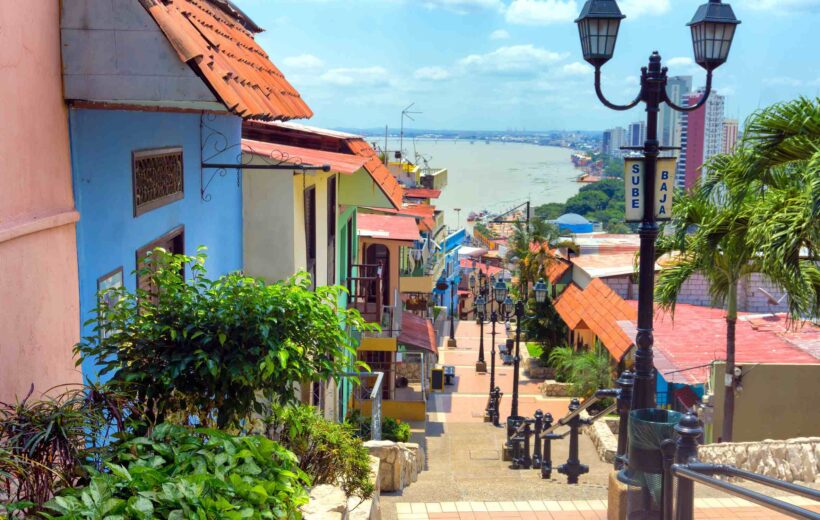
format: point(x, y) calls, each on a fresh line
point(696, 292)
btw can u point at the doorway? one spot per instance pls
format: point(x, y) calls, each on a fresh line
point(378, 254)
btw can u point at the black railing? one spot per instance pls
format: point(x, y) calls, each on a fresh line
point(688, 470)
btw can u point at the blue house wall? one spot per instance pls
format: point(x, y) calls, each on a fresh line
point(108, 233)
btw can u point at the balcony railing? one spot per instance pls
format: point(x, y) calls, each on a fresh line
point(366, 289)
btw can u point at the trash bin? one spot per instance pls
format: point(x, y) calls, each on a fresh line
point(651, 433)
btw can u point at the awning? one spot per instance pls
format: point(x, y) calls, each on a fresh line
point(417, 333)
point(387, 227)
point(281, 153)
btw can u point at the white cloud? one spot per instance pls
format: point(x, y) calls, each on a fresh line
point(783, 6)
point(345, 77)
point(432, 73)
point(464, 6)
point(637, 8)
point(512, 59)
point(499, 34)
point(681, 61)
point(576, 69)
point(303, 62)
point(541, 12)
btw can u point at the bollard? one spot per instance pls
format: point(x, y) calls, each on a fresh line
point(573, 467)
point(538, 427)
point(526, 460)
point(625, 383)
point(688, 430)
point(497, 394)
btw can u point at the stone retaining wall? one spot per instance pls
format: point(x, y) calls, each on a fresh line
point(330, 503)
point(400, 463)
point(551, 388)
point(605, 442)
point(789, 460)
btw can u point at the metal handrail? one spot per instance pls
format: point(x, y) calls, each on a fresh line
point(599, 395)
point(592, 419)
point(697, 472)
point(376, 397)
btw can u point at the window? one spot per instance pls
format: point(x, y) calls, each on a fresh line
point(173, 242)
point(317, 395)
point(310, 233)
point(331, 230)
point(157, 178)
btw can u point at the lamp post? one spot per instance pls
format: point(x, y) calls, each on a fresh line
point(505, 308)
point(451, 343)
point(713, 28)
point(481, 308)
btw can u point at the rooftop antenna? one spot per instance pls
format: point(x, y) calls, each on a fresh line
point(409, 115)
point(771, 300)
point(386, 159)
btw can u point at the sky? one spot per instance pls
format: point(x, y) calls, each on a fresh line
point(517, 64)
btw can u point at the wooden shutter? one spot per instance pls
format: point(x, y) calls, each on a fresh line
point(331, 230)
point(310, 233)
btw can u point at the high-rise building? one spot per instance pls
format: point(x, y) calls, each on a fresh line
point(613, 140)
point(637, 133)
point(683, 132)
point(730, 129)
point(677, 87)
point(704, 134)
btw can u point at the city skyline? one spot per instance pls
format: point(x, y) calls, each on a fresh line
point(500, 64)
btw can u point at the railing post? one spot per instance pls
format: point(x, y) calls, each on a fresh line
point(496, 415)
point(625, 383)
point(526, 460)
point(537, 428)
point(689, 430)
point(573, 467)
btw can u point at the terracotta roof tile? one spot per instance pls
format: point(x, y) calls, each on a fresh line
point(225, 53)
point(388, 184)
point(555, 270)
point(569, 305)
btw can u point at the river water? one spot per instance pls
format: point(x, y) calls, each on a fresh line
point(495, 176)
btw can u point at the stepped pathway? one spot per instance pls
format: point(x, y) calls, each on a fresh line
point(464, 476)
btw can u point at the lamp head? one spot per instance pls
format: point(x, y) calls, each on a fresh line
point(598, 26)
point(713, 29)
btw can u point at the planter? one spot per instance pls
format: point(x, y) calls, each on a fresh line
point(551, 388)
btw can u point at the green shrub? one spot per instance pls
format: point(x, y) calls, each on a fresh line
point(395, 430)
point(202, 350)
point(586, 370)
point(179, 473)
point(329, 452)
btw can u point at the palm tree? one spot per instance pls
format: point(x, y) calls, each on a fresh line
point(758, 211)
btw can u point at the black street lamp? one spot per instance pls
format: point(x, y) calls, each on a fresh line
point(540, 291)
point(713, 28)
point(514, 418)
point(494, 396)
point(481, 309)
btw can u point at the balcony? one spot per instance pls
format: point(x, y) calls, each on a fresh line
point(419, 270)
point(366, 296)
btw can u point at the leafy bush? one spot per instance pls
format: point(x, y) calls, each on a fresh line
point(179, 473)
point(329, 452)
point(585, 370)
point(395, 430)
point(201, 349)
point(392, 429)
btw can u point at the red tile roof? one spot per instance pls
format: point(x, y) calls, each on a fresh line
point(422, 193)
point(697, 336)
point(387, 227)
point(280, 153)
point(417, 332)
point(225, 54)
point(599, 309)
point(569, 305)
point(424, 213)
point(556, 269)
point(388, 184)
point(489, 270)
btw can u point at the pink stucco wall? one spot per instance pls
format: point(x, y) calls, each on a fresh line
point(39, 309)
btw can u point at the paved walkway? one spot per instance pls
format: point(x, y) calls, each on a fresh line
point(464, 475)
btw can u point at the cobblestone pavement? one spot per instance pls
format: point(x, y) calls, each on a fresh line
point(464, 476)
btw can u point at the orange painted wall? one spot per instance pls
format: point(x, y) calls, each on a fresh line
point(39, 308)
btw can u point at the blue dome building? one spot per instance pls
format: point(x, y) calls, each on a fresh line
point(573, 223)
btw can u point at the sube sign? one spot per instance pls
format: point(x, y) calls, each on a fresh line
point(634, 187)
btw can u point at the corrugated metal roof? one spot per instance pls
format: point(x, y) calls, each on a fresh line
point(417, 332)
point(226, 55)
point(387, 227)
point(280, 153)
point(697, 336)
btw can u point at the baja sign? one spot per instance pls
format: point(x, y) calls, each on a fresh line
point(634, 168)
